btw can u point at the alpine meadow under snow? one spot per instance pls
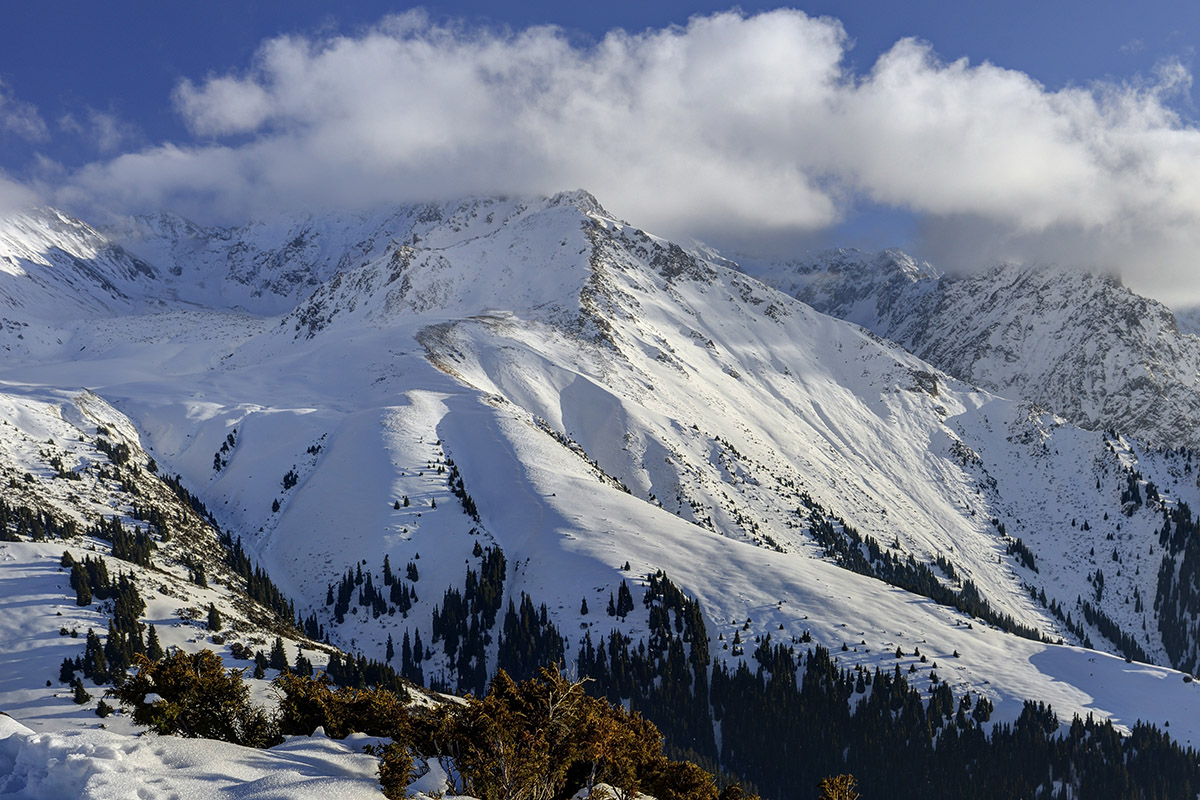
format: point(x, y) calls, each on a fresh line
point(443, 383)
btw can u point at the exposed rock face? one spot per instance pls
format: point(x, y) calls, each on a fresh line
point(1080, 344)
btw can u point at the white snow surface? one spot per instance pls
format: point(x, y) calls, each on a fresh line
point(560, 357)
point(101, 765)
point(1070, 340)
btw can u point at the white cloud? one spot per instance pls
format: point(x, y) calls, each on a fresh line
point(18, 118)
point(675, 128)
point(730, 125)
point(14, 196)
point(223, 106)
point(106, 132)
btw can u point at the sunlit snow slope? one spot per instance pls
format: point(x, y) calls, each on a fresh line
point(1078, 343)
point(610, 398)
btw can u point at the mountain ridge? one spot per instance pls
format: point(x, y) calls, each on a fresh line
point(581, 395)
point(1078, 343)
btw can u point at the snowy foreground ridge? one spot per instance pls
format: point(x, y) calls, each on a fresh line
point(598, 404)
point(100, 765)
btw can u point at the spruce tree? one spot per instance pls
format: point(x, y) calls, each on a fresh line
point(278, 659)
point(214, 618)
point(83, 588)
point(624, 600)
point(154, 650)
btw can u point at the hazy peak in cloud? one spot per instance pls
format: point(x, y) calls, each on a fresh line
point(15, 196)
point(730, 125)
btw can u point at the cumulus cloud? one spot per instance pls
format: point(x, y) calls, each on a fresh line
point(732, 125)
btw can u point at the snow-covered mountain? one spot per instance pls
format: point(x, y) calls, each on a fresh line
point(1078, 343)
point(55, 269)
point(267, 267)
point(599, 404)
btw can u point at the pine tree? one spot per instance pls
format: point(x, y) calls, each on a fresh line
point(214, 618)
point(95, 665)
point(278, 659)
point(154, 650)
point(83, 588)
point(80, 694)
point(583, 609)
point(390, 653)
point(624, 600)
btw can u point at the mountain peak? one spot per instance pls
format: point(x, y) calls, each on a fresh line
point(1077, 342)
point(582, 199)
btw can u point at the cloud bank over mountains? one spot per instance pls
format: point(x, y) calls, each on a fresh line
point(732, 126)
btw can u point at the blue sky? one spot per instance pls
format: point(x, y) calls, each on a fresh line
point(706, 128)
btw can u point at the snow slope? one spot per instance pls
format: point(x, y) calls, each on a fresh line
point(608, 397)
point(101, 765)
point(1080, 344)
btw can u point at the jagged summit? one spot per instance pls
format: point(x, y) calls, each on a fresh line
point(56, 267)
point(268, 266)
point(1076, 342)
